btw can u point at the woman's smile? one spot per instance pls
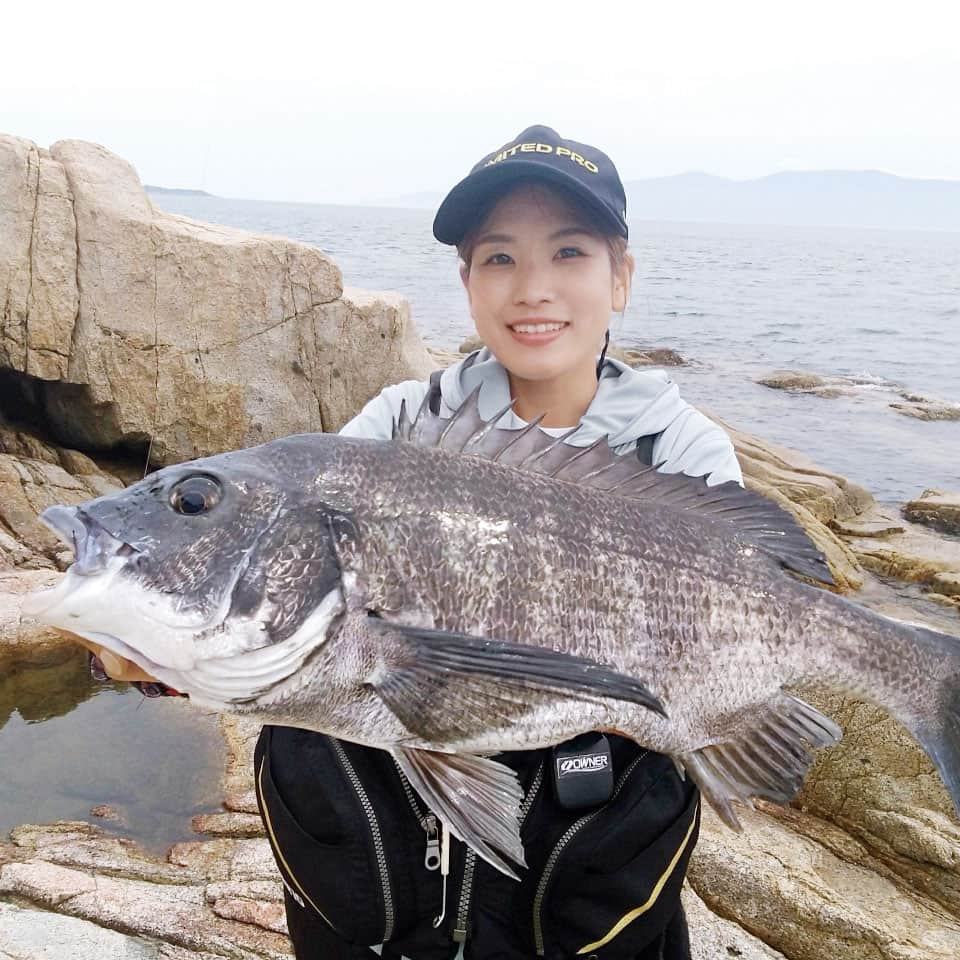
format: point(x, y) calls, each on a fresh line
point(537, 332)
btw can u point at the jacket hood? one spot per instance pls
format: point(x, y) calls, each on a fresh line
point(629, 404)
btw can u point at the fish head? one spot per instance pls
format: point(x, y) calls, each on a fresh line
point(218, 577)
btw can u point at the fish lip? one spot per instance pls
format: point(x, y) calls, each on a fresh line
point(92, 544)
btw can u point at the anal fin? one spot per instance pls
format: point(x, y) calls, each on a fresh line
point(478, 799)
point(769, 758)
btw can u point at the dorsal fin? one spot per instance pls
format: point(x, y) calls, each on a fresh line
point(754, 517)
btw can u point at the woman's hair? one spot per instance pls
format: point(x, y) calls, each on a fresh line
point(586, 216)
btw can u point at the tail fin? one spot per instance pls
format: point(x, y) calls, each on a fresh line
point(938, 729)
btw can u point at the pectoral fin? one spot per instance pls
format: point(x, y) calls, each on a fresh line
point(478, 799)
point(445, 685)
point(768, 759)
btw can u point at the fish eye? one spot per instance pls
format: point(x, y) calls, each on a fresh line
point(195, 495)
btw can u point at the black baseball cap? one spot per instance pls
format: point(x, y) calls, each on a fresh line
point(538, 153)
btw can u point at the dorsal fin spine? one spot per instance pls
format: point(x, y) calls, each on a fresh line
point(418, 419)
point(529, 461)
point(471, 403)
point(529, 428)
point(488, 426)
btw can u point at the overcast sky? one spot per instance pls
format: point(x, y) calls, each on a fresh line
point(355, 102)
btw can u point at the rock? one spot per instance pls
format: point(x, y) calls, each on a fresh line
point(826, 495)
point(945, 600)
point(105, 811)
point(802, 899)
point(916, 555)
point(38, 260)
point(946, 584)
point(879, 786)
point(242, 802)
point(176, 910)
point(714, 938)
point(877, 528)
point(29, 486)
point(444, 358)
point(793, 380)
point(268, 916)
point(240, 737)
point(174, 913)
point(646, 357)
point(186, 338)
point(361, 343)
point(228, 824)
point(269, 891)
point(928, 410)
point(17, 634)
point(35, 474)
point(910, 405)
point(41, 935)
point(936, 509)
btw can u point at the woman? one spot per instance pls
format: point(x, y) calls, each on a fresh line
point(540, 226)
point(541, 231)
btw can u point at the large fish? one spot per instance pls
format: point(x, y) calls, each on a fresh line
point(467, 590)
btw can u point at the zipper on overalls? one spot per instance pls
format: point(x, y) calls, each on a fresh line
point(429, 823)
point(379, 851)
point(561, 845)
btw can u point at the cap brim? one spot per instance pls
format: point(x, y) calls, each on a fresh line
point(462, 205)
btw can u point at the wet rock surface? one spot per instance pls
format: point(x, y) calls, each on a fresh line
point(936, 509)
point(863, 389)
point(910, 552)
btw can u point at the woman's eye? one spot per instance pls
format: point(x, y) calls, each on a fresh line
point(565, 253)
point(497, 258)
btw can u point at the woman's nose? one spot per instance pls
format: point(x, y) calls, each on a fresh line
point(532, 285)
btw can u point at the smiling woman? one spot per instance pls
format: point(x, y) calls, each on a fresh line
point(542, 281)
point(540, 227)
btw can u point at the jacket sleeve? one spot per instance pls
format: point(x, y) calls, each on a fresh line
point(693, 444)
point(375, 421)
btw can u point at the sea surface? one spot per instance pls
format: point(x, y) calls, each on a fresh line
point(880, 307)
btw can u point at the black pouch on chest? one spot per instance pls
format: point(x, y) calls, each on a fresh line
point(583, 771)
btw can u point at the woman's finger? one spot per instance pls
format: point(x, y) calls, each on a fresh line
point(117, 668)
point(120, 669)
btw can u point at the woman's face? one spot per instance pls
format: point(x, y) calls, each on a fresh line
point(542, 286)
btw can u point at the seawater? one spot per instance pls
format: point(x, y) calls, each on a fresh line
point(738, 301)
point(69, 743)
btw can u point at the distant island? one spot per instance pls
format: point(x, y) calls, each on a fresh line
point(841, 198)
point(176, 191)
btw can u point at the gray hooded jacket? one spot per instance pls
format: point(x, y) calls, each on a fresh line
point(629, 404)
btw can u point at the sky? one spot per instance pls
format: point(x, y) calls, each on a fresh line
point(364, 102)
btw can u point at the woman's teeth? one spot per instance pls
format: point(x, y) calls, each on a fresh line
point(537, 327)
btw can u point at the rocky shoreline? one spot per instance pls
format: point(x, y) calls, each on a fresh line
point(242, 338)
point(896, 398)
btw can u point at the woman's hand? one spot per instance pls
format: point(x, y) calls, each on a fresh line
point(117, 668)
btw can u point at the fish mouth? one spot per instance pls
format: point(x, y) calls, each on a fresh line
point(96, 552)
point(93, 545)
